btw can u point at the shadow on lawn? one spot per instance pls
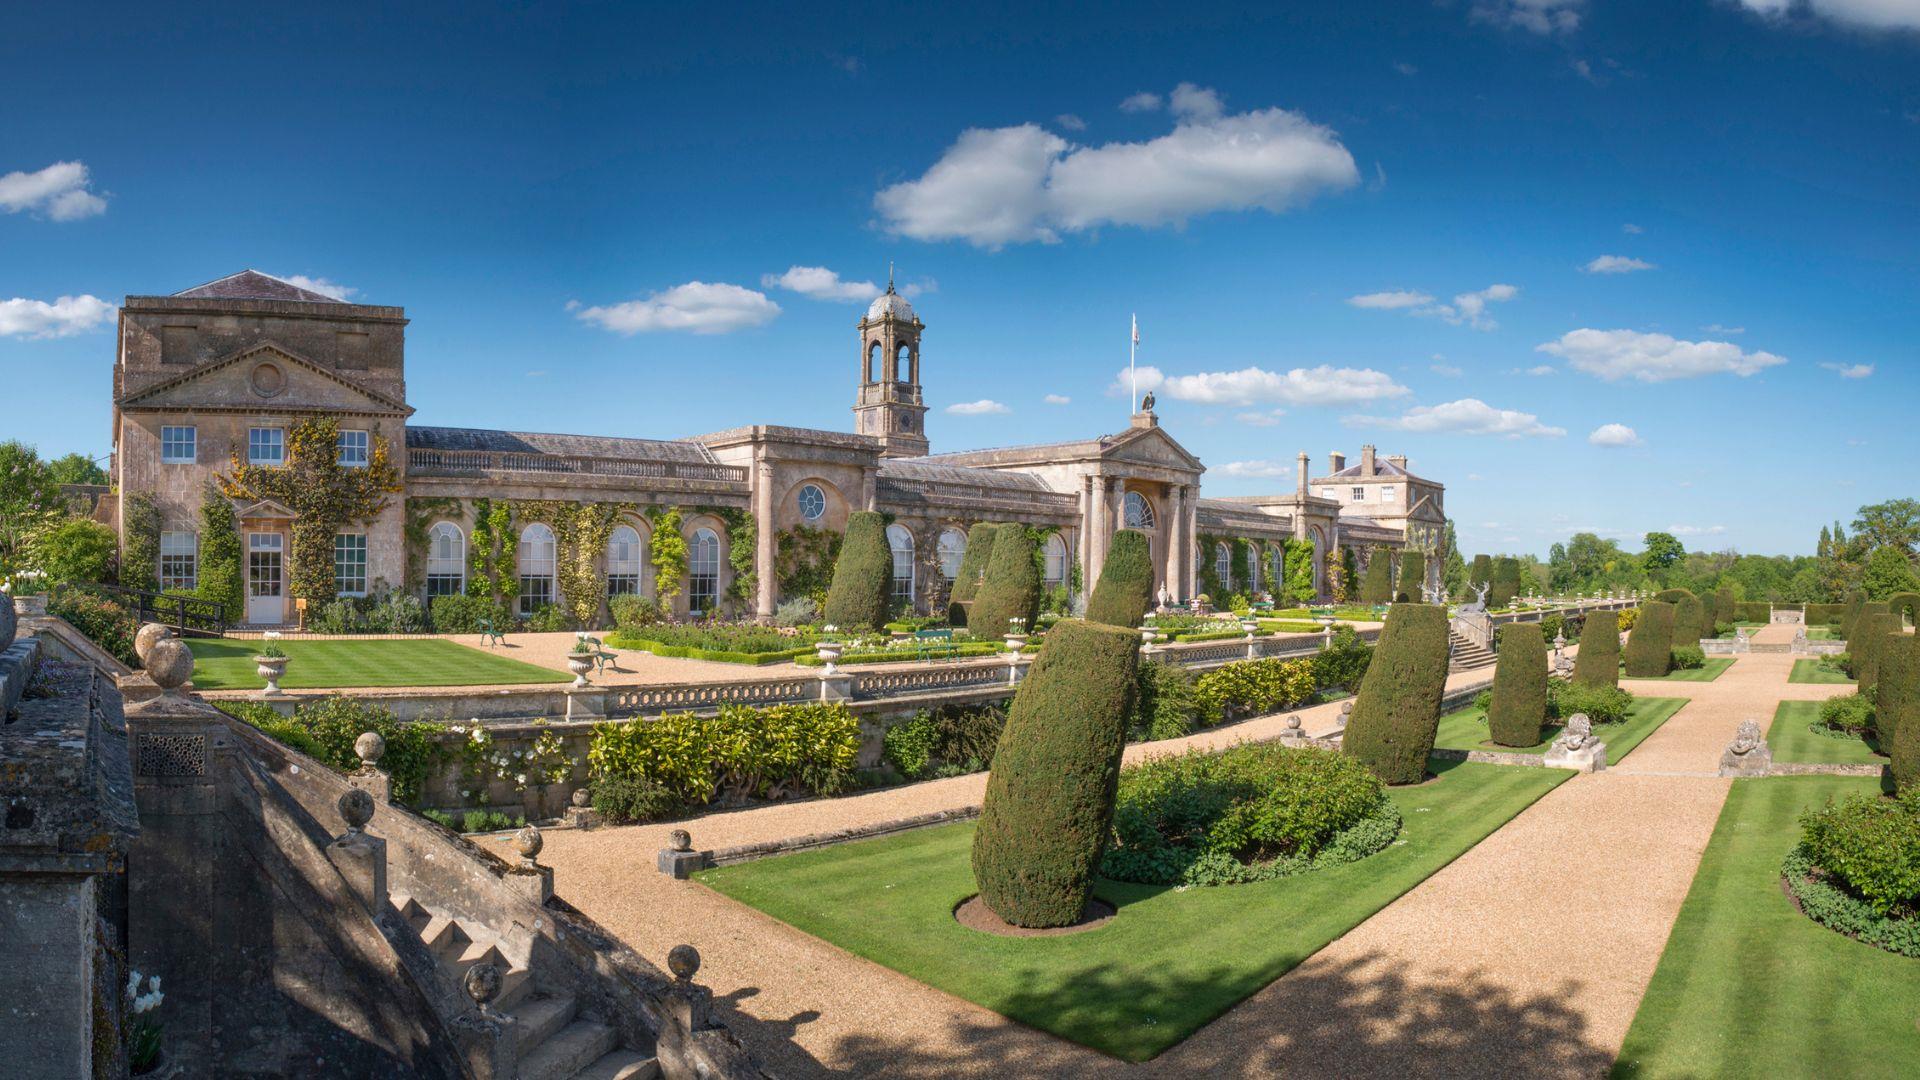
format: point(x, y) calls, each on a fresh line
point(1327, 1020)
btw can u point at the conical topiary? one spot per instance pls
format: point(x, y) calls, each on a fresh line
point(1598, 663)
point(1480, 574)
point(973, 565)
point(1397, 710)
point(1506, 582)
point(1376, 584)
point(1049, 800)
point(1412, 587)
point(1012, 586)
point(1519, 686)
point(1650, 644)
point(1873, 632)
point(1125, 590)
point(862, 589)
point(1854, 602)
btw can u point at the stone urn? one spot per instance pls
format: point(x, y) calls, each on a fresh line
point(829, 653)
point(580, 664)
point(272, 669)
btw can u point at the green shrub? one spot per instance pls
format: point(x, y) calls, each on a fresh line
point(1873, 632)
point(800, 611)
point(397, 613)
point(744, 752)
point(1602, 704)
point(326, 729)
point(1649, 652)
point(1166, 703)
point(102, 621)
point(1481, 573)
point(1011, 589)
point(465, 614)
point(1872, 846)
point(966, 736)
point(1376, 582)
point(1824, 614)
point(1255, 687)
point(632, 611)
point(1689, 617)
point(1837, 907)
point(1687, 658)
point(623, 799)
point(1505, 582)
point(1049, 798)
point(476, 821)
point(862, 591)
point(75, 550)
point(1851, 713)
point(1397, 711)
point(548, 619)
point(1897, 711)
point(1598, 663)
point(1519, 703)
point(908, 746)
point(1343, 663)
point(1125, 590)
point(973, 567)
point(1251, 813)
point(1413, 577)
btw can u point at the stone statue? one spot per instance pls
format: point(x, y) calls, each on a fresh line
point(1576, 747)
point(1748, 754)
point(1146, 403)
point(1478, 604)
point(1577, 734)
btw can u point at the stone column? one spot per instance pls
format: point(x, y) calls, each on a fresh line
point(1119, 507)
point(869, 483)
point(1190, 528)
point(1176, 525)
point(1099, 523)
point(766, 543)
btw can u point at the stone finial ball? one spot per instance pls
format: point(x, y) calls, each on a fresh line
point(169, 663)
point(1346, 707)
point(356, 808)
point(482, 982)
point(368, 747)
point(149, 634)
point(1293, 722)
point(683, 961)
point(680, 840)
point(582, 797)
point(528, 843)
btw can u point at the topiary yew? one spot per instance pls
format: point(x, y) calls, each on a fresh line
point(1506, 582)
point(1012, 586)
point(1650, 645)
point(1413, 578)
point(1519, 686)
point(1599, 661)
point(1125, 590)
point(1854, 602)
point(1905, 605)
point(862, 590)
point(973, 566)
point(1874, 632)
point(1482, 571)
point(1397, 711)
point(1049, 800)
point(1897, 711)
point(1688, 614)
point(1376, 586)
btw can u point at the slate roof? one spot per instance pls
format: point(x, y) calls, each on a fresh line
point(254, 285)
point(1381, 467)
point(530, 442)
point(925, 470)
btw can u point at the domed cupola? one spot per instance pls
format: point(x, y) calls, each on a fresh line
point(889, 406)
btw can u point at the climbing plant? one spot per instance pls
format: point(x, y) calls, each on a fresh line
point(580, 534)
point(667, 552)
point(140, 545)
point(741, 544)
point(492, 568)
point(220, 578)
point(803, 562)
point(1299, 583)
point(422, 512)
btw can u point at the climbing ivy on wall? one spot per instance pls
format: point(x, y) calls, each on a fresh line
point(421, 513)
point(803, 563)
point(667, 552)
point(741, 547)
point(492, 571)
point(1298, 587)
point(220, 577)
point(580, 534)
point(140, 544)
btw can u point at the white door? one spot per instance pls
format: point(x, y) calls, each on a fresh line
point(264, 566)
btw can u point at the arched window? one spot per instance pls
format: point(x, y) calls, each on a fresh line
point(953, 550)
point(623, 561)
point(1253, 568)
point(703, 571)
point(446, 560)
point(812, 502)
point(1139, 511)
point(901, 543)
point(1054, 556)
point(1223, 568)
point(1276, 569)
point(873, 361)
point(536, 568)
point(902, 363)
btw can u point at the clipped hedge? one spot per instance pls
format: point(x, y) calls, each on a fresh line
point(1689, 615)
point(1125, 590)
point(1506, 582)
point(1397, 711)
point(1519, 687)
point(862, 590)
point(687, 761)
point(1752, 611)
point(1873, 632)
point(1856, 601)
point(1481, 573)
point(1012, 586)
point(973, 566)
point(1897, 711)
point(1649, 652)
point(1376, 584)
point(1049, 799)
point(1906, 605)
point(1598, 663)
point(1413, 578)
point(1824, 614)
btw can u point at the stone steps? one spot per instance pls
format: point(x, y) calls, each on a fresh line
point(1467, 655)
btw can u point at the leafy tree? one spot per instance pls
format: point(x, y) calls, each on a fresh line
point(76, 469)
point(1453, 575)
point(1663, 550)
point(29, 499)
point(75, 550)
point(1894, 524)
point(1888, 572)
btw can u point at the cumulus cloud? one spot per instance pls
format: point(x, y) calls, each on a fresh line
point(60, 192)
point(1864, 14)
point(1390, 300)
point(983, 407)
point(1468, 416)
point(1535, 16)
point(697, 307)
point(1264, 470)
point(820, 283)
point(1467, 309)
point(1323, 385)
point(1716, 328)
point(1070, 122)
point(1614, 435)
point(323, 286)
point(1144, 101)
point(1057, 399)
point(1623, 354)
point(1537, 370)
point(65, 317)
point(1616, 264)
point(1850, 371)
point(1024, 184)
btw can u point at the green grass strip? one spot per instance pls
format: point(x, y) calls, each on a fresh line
point(1792, 740)
point(1815, 671)
point(1715, 667)
point(1466, 729)
point(227, 664)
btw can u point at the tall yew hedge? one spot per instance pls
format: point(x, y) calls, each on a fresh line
point(1397, 711)
point(1688, 614)
point(973, 566)
point(862, 590)
point(1376, 585)
point(1873, 634)
point(1413, 577)
point(1650, 645)
point(1049, 800)
point(1506, 582)
point(1125, 590)
point(1519, 686)
point(1012, 586)
point(1905, 605)
point(1481, 572)
point(1598, 663)
point(1897, 710)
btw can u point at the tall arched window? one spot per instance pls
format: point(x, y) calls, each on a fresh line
point(900, 541)
point(623, 561)
point(1054, 558)
point(446, 560)
point(1276, 569)
point(873, 362)
point(1223, 568)
point(1253, 568)
point(703, 571)
point(536, 568)
point(1139, 511)
point(953, 550)
point(902, 364)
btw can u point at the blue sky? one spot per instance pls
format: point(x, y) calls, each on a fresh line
point(1337, 223)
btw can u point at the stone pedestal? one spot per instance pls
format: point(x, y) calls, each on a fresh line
point(362, 861)
point(1590, 758)
point(1748, 754)
point(835, 685)
point(586, 704)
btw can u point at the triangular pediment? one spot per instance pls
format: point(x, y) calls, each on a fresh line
point(265, 509)
point(263, 376)
point(1151, 446)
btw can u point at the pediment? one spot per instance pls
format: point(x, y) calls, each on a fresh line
point(1152, 446)
point(266, 509)
point(263, 376)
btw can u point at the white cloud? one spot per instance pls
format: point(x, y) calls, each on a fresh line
point(59, 191)
point(1447, 370)
point(1866, 14)
point(1631, 229)
point(983, 407)
point(1025, 184)
point(1391, 300)
point(694, 308)
point(1616, 264)
point(1621, 354)
point(1614, 435)
point(1696, 530)
point(1057, 399)
point(1405, 68)
point(1716, 328)
point(1471, 308)
point(65, 317)
point(1468, 416)
point(1537, 370)
point(820, 283)
point(1323, 385)
point(1257, 469)
point(323, 286)
point(1261, 419)
point(1537, 16)
point(1070, 122)
point(1144, 101)
point(1850, 371)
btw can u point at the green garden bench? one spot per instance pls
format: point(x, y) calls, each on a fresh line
point(603, 657)
point(934, 644)
point(490, 635)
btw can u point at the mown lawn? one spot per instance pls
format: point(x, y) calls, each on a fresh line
point(1467, 729)
point(1716, 666)
point(1815, 671)
point(1791, 740)
point(227, 664)
point(1748, 986)
point(1167, 964)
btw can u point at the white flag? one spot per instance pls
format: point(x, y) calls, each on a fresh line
point(1136, 329)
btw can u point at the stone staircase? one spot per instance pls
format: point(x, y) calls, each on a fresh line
point(1466, 654)
point(553, 1038)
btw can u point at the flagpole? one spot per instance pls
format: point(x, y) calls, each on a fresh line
point(1133, 379)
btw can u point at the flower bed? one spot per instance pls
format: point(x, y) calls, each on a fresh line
point(1857, 870)
point(727, 643)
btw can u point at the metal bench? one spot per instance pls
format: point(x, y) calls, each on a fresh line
point(603, 658)
point(490, 635)
point(934, 644)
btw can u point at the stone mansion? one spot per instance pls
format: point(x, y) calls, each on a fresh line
point(220, 373)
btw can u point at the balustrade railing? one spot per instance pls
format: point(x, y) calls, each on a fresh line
point(423, 462)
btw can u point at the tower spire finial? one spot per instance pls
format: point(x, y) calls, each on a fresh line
point(889, 275)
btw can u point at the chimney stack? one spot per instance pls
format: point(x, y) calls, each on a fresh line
point(1398, 461)
point(1303, 474)
point(1336, 461)
point(1366, 460)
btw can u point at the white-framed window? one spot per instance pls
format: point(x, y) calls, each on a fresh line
point(179, 445)
point(266, 446)
point(1386, 492)
point(953, 551)
point(812, 502)
point(1223, 568)
point(623, 561)
point(703, 571)
point(535, 557)
point(350, 564)
point(446, 560)
point(1053, 559)
point(1139, 512)
point(1276, 569)
point(1253, 567)
point(353, 449)
point(900, 542)
point(1359, 494)
point(1328, 493)
point(179, 560)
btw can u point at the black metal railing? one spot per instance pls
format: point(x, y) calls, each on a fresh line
point(190, 616)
